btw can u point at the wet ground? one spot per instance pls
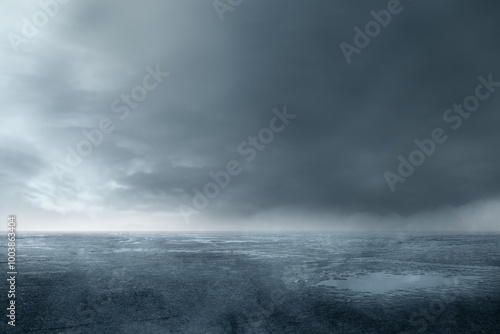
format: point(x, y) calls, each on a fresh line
point(229, 283)
point(385, 283)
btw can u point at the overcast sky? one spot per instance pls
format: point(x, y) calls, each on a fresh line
point(324, 169)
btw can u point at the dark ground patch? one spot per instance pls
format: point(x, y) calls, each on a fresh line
point(251, 284)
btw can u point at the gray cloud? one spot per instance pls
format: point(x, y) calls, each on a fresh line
point(353, 122)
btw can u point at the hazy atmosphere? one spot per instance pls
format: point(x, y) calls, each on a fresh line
point(260, 115)
point(250, 166)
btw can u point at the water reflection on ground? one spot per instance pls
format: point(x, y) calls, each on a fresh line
point(382, 282)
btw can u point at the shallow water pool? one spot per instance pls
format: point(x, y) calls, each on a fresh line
point(382, 282)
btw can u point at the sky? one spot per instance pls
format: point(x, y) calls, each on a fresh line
point(244, 115)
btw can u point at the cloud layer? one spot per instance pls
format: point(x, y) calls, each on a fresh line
point(325, 170)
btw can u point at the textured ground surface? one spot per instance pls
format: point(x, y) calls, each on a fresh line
point(124, 283)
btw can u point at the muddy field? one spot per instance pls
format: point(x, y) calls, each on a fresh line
point(229, 283)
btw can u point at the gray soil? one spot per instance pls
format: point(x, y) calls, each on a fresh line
point(229, 283)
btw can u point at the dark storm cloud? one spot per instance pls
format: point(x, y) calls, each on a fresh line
point(353, 120)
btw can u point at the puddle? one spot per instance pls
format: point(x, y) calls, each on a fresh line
point(381, 282)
